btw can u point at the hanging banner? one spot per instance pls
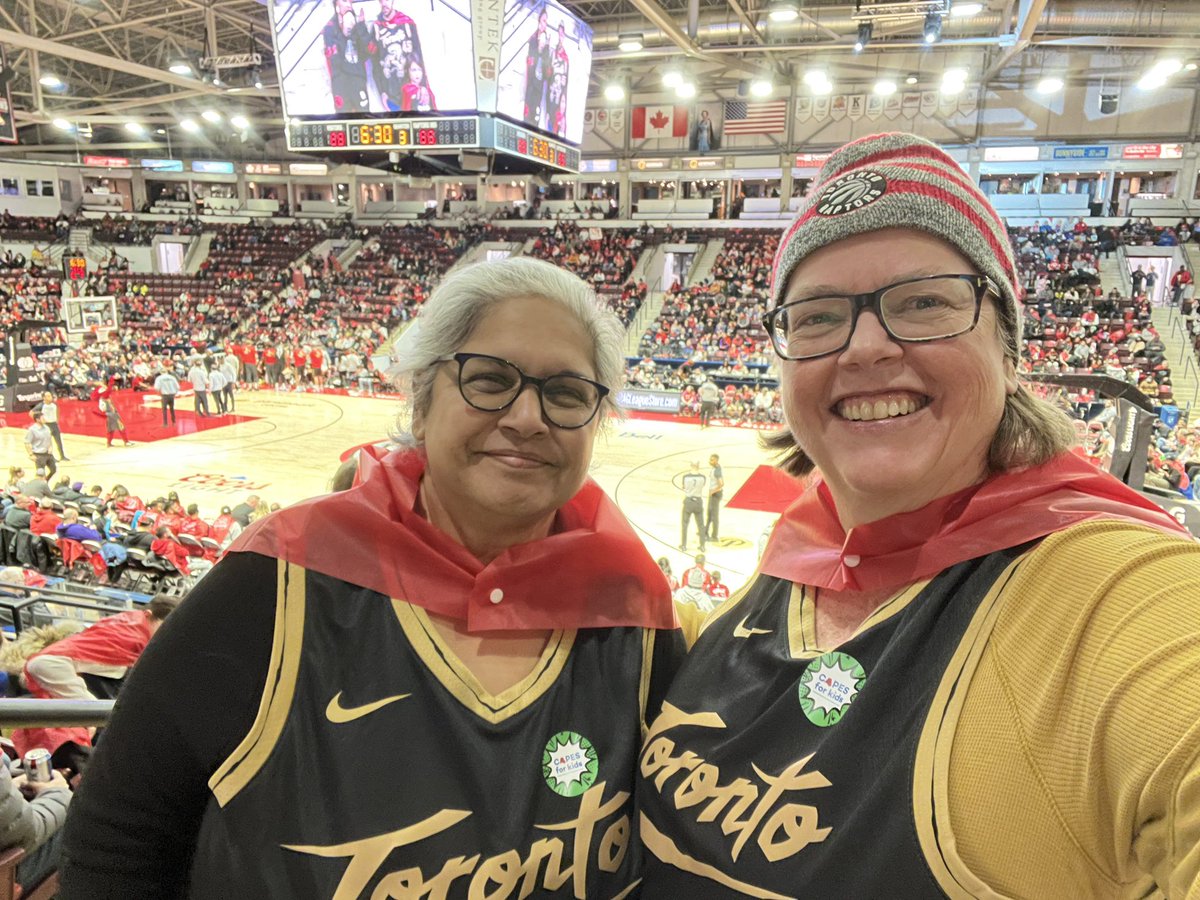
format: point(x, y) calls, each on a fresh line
point(602, 120)
point(589, 120)
point(874, 106)
point(910, 103)
point(8, 125)
point(616, 121)
point(804, 108)
point(821, 107)
point(968, 102)
point(856, 106)
point(929, 102)
point(838, 107)
point(487, 18)
point(891, 106)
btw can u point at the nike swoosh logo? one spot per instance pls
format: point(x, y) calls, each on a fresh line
point(741, 631)
point(339, 715)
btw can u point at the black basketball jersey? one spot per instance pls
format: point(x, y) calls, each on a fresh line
point(776, 770)
point(378, 766)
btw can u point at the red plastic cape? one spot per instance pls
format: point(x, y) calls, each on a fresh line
point(809, 545)
point(592, 572)
point(114, 641)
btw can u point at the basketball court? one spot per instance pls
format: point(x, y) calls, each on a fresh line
point(285, 447)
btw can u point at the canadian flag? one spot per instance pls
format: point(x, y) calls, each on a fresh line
point(659, 122)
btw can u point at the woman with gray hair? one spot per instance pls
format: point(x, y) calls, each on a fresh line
point(431, 682)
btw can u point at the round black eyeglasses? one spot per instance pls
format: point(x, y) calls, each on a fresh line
point(491, 384)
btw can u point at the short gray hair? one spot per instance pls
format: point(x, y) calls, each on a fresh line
point(457, 305)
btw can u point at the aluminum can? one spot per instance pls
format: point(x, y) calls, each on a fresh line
point(37, 765)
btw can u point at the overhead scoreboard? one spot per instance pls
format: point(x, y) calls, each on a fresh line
point(432, 134)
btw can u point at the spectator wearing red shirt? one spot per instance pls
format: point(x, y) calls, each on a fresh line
point(43, 519)
point(316, 366)
point(191, 524)
point(270, 360)
point(108, 648)
point(717, 589)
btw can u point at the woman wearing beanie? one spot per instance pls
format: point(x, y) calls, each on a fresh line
point(969, 664)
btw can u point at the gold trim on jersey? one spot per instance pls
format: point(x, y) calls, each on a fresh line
point(648, 635)
point(802, 617)
point(286, 643)
point(931, 774)
point(458, 679)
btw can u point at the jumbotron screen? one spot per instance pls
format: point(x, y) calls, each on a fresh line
point(370, 57)
point(545, 60)
point(341, 60)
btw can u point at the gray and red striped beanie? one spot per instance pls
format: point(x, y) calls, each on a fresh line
point(901, 181)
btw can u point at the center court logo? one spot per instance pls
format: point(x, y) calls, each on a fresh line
point(828, 687)
point(851, 192)
point(569, 764)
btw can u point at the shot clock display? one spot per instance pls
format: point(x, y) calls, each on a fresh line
point(385, 134)
point(75, 267)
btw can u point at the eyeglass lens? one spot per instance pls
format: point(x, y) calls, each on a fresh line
point(492, 384)
point(917, 311)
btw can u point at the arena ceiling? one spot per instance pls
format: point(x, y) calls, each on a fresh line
point(113, 57)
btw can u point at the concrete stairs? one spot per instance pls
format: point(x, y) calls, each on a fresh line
point(648, 312)
point(703, 265)
point(1174, 331)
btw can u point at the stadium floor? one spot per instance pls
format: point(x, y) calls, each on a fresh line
point(286, 446)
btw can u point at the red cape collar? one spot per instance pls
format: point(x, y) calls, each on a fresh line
point(809, 545)
point(592, 572)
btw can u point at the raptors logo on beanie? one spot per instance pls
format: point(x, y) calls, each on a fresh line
point(901, 181)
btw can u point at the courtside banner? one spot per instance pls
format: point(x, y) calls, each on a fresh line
point(649, 401)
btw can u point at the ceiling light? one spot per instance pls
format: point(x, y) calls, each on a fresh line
point(1151, 81)
point(1166, 67)
point(257, 78)
point(614, 93)
point(182, 67)
point(241, 123)
point(884, 87)
point(864, 36)
point(50, 80)
point(953, 81)
point(821, 87)
point(959, 10)
point(135, 127)
point(1191, 67)
point(911, 78)
point(63, 125)
point(211, 115)
point(685, 90)
point(160, 131)
point(815, 76)
point(761, 87)
point(672, 78)
point(630, 42)
point(216, 79)
point(189, 125)
point(783, 11)
point(933, 28)
point(1049, 85)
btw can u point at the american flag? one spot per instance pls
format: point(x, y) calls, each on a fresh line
point(742, 117)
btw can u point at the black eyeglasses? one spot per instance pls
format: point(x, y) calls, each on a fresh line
point(491, 384)
point(913, 311)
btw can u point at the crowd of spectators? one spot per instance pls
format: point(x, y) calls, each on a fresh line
point(720, 318)
point(64, 528)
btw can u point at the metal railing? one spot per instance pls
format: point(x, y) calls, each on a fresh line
point(30, 713)
point(25, 607)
